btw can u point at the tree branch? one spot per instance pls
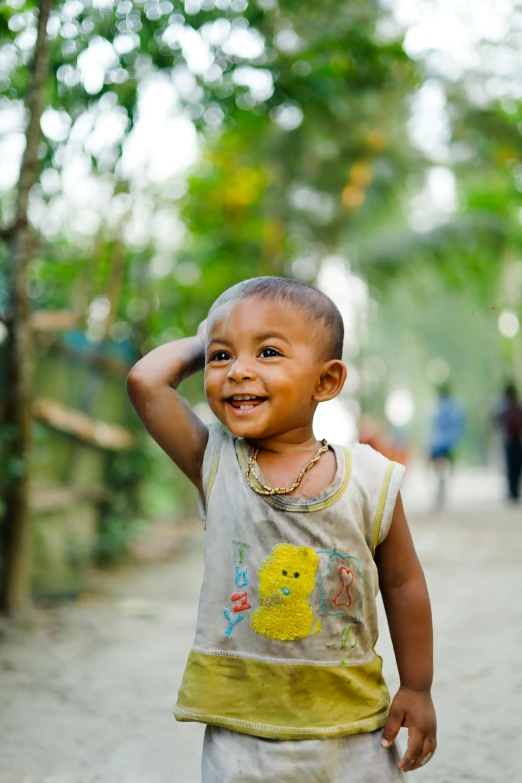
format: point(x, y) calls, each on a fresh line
point(15, 584)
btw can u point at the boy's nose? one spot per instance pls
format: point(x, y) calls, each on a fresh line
point(241, 370)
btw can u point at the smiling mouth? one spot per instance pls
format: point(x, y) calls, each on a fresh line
point(245, 403)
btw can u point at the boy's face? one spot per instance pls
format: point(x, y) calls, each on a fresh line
point(264, 363)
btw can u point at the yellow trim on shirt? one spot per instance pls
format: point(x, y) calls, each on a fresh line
point(284, 732)
point(380, 507)
point(212, 472)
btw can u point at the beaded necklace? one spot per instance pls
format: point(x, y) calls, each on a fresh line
point(280, 490)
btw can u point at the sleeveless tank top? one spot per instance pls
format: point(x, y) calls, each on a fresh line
point(287, 619)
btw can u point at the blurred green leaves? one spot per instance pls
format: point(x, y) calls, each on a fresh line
point(301, 111)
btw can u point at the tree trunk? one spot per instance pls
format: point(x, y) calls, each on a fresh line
point(15, 585)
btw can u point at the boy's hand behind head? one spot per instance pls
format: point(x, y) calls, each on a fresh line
point(202, 331)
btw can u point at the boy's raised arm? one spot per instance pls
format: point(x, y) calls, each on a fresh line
point(151, 385)
point(407, 605)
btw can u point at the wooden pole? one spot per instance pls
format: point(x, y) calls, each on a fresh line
point(15, 582)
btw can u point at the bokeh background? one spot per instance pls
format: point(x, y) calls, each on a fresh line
point(153, 153)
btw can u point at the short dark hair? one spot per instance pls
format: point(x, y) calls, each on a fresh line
point(309, 300)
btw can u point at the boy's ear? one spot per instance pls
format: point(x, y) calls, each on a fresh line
point(331, 381)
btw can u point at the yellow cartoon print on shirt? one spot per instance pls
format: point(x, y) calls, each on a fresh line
point(286, 579)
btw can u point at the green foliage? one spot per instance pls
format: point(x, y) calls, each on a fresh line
point(316, 162)
point(419, 321)
point(123, 472)
point(115, 535)
point(121, 515)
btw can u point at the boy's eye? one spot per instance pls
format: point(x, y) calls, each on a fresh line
point(219, 356)
point(268, 353)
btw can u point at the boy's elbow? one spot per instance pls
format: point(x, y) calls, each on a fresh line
point(401, 582)
point(136, 381)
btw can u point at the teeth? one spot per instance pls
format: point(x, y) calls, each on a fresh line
point(240, 397)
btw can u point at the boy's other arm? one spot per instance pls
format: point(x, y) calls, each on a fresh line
point(408, 610)
point(151, 386)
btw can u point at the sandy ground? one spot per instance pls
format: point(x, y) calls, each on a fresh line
point(86, 691)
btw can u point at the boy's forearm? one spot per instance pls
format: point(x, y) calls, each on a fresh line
point(168, 419)
point(409, 618)
point(170, 363)
point(408, 610)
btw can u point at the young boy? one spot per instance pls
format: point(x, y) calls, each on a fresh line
point(300, 534)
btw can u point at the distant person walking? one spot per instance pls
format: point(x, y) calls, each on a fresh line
point(509, 418)
point(447, 430)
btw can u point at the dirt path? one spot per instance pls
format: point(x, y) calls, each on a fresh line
point(86, 694)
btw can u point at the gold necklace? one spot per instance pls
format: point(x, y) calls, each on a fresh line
point(280, 490)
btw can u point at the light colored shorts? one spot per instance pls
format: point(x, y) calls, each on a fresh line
point(230, 757)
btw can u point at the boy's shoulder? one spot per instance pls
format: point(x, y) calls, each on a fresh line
point(218, 439)
point(368, 458)
point(218, 435)
point(372, 470)
point(377, 481)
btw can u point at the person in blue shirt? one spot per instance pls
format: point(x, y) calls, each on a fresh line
point(447, 431)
